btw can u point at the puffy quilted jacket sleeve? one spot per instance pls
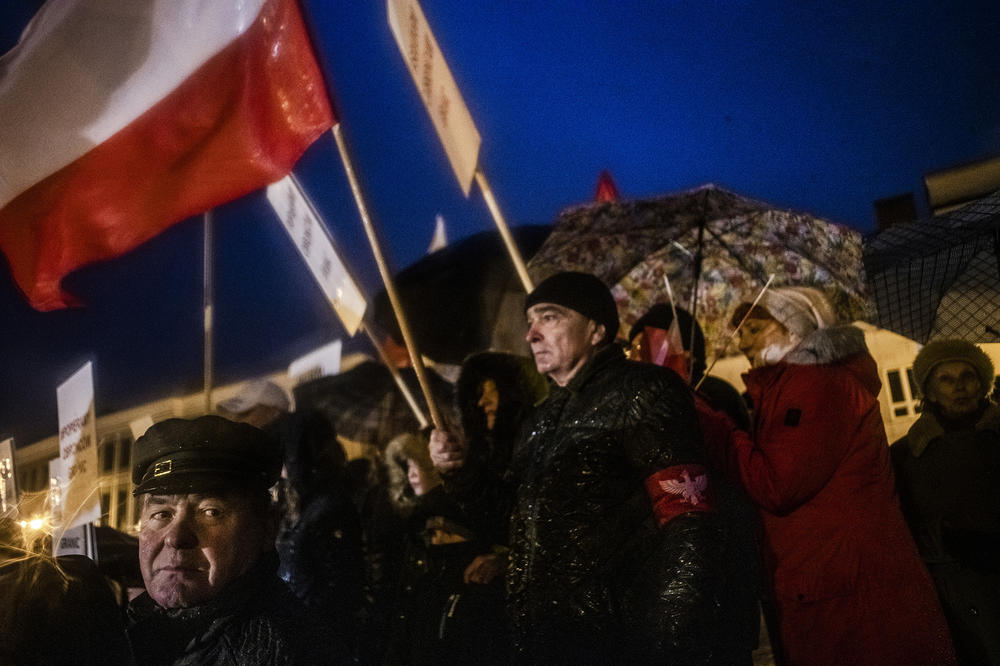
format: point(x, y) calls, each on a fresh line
point(683, 571)
point(803, 428)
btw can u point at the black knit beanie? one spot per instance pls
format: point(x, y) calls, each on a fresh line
point(581, 292)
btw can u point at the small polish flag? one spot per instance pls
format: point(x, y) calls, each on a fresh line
point(666, 348)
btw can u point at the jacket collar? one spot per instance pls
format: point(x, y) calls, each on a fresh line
point(927, 428)
point(842, 345)
point(608, 355)
point(828, 345)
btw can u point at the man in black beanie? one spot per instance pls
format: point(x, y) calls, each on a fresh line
point(614, 532)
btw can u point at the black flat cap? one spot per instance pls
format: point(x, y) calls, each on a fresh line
point(195, 455)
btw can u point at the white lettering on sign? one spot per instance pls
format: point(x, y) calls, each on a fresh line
point(310, 237)
point(77, 448)
point(437, 88)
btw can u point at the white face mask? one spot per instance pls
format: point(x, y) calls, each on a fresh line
point(773, 353)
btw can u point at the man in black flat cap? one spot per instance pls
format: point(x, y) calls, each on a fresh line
point(206, 552)
point(614, 535)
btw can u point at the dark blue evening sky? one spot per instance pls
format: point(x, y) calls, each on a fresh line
point(821, 107)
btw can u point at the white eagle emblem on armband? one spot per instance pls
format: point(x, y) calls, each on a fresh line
point(691, 490)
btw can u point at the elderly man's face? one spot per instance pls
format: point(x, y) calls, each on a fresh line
point(562, 340)
point(955, 387)
point(191, 545)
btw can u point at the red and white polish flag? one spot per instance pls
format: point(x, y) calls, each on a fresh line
point(119, 118)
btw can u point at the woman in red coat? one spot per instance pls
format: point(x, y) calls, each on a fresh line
point(846, 580)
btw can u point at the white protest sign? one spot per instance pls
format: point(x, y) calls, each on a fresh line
point(321, 362)
point(8, 481)
point(79, 540)
point(437, 87)
point(78, 448)
point(309, 234)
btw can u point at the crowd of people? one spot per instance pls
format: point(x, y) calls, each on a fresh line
point(602, 502)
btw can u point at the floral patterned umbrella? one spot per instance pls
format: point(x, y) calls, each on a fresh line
point(633, 245)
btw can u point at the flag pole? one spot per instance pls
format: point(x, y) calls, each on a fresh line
point(207, 309)
point(508, 239)
point(390, 288)
point(396, 377)
point(449, 114)
point(736, 330)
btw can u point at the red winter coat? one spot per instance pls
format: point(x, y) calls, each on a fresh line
point(848, 585)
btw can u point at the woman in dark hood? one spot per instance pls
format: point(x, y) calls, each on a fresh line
point(494, 394)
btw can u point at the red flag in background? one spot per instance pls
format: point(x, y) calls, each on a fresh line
point(124, 117)
point(606, 189)
point(665, 348)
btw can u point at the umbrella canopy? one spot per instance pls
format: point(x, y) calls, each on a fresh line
point(453, 297)
point(633, 245)
point(365, 405)
point(940, 277)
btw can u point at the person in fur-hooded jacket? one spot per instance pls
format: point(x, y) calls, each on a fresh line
point(441, 614)
point(494, 394)
point(848, 584)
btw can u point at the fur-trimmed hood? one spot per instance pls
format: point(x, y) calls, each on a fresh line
point(518, 383)
point(400, 449)
point(828, 345)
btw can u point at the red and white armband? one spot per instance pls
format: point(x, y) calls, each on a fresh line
point(680, 489)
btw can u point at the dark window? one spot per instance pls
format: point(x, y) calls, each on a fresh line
point(914, 388)
point(125, 453)
point(121, 505)
point(105, 507)
point(896, 387)
point(107, 455)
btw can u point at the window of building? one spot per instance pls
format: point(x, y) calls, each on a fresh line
point(904, 396)
point(914, 389)
point(121, 509)
point(105, 508)
point(107, 453)
point(125, 453)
